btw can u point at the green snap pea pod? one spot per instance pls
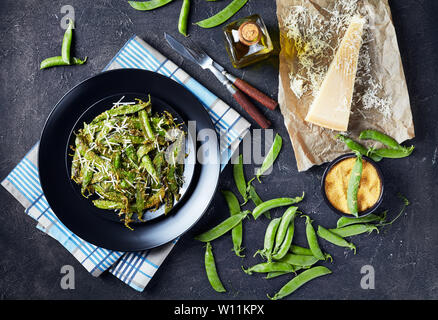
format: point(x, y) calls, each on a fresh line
point(353, 185)
point(239, 178)
point(394, 153)
point(286, 220)
point(266, 267)
point(312, 240)
point(144, 149)
point(299, 260)
point(382, 138)
point(139, 200)
point(335, 239)
point(283, 249)
point(274, 203)
point(222, 228)
point(66, 42)
point(223, 15)
point(146, 125)
point(121, 110)
point(275, 274)
point(184, 17)
point(300, 280)
point(300, 250)
point(252, 194)
point(355, 146)
point(148, 5)
point(75, 165)
point(210, 268)
point(270, 233)
point(344, 221)
point(86, 179)
point(169, 200)
point(57, 61)
point(236, 233)
point(271, 156)
point(354, 229)
point(108, 204)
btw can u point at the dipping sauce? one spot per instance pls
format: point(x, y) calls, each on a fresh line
point(336, 185)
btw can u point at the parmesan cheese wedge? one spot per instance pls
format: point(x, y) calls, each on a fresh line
point(331, 106)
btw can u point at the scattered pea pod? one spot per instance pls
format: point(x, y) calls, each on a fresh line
point(300, 280)
point(183, 17)
point(355, 146)
point(274, 203)
point(239, 178)
point(300, 250)
point(312, 240)
point(58, 61)
point(353, 185)
point(354, 229)
point(222, 228)
point(335, 239)
point(271, 156)
point(270, 234)
point(148, 5)
point(286, 219)
point(223, 15)
point(266, 267)
point(394, 153)
point(344, 221)
point(210, 268)
point(236, 232)
point(66, 43)
point(382, 138)
point(275, 274)
point(252, 194)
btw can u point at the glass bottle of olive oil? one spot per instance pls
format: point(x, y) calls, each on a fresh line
point(247, 41)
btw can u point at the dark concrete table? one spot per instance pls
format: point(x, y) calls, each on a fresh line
point(404, 256)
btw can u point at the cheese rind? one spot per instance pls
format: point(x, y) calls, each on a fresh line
point(331, 106)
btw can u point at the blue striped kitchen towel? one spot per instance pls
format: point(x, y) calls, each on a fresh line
point(134, 268)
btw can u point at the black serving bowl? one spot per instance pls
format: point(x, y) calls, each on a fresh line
point(363, 213)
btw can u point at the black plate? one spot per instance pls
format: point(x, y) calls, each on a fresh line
point(78, 213)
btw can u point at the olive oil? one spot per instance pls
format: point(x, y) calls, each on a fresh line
point(247, 41)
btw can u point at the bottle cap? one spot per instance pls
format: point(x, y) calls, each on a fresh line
point(249, 33)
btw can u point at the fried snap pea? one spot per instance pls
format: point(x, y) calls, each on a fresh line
point(236, 232)
point(271, 156)
point(335, 239)
point(210, 268)
point(300, 280)
point(222, 228)
point(274, 203)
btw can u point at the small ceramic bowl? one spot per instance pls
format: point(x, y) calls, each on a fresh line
point(363, 213)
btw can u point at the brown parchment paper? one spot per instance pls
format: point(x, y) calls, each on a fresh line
point(314, 145)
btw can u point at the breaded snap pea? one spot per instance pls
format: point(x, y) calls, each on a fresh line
point(335, 239)
point(222, 227)
point(300, 280)
point(266, 267)
point(274, 203)
point(210, 268)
